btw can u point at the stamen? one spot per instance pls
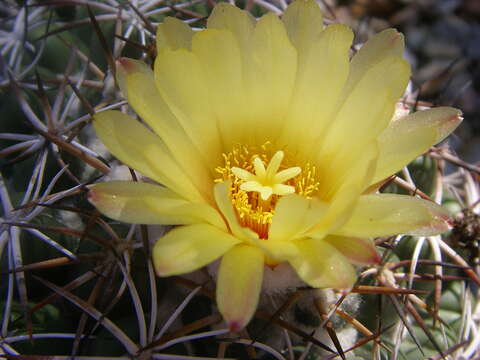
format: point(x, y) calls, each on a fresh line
point(259, 179)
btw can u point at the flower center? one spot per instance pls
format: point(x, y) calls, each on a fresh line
point(260, 177)
point(269, 181)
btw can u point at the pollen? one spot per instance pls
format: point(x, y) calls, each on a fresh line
point(260, 176)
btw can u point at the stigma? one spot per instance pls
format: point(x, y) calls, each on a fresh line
point(267, 181)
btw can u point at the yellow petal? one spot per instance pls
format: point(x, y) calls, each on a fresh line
point(137, 83)
point(174, 34)
point(222, 198)
point(219, 54)
point(361, 119)
point(319, 82)
point(322, 266)
point(407, 138)
point(345, 192)
point(240, 23)
point(359, 174)
point(142, 203)
point(304, 23)
point(142, 150)
point(181, 81)
point(276, 251)
point(338, 212)
point(383, 45)
point(274, 66)
point(239, 283)
point(295, 214)
point(357, 250)
point(188, 248)
point(390, 214)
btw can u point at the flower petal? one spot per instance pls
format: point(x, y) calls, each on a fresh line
point(270, 77)
point(345, 191)
point(390, 214)
point(294, 214)
point(241, 23)
point(239, 284)
point(320, 79)
point(304, 23)
point(379, 47)
point(357, 250)
point(174, 34)
point(219, 54)
point(408, 137)
point(181, 81)
point(276, 251)
point(188, 248)
point(320, 265)
point(222, 197)
point(142, 203)
point(137, 83)
point(358, 122)
point(139, 148)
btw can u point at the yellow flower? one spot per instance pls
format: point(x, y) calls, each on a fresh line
point(266, 137)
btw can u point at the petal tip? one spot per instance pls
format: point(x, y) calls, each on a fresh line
point(123, 61)
point(235, 325)
point(440, 222)
point(443, 222)
point(161, 269)
point(371, 256)
point(377, 259)
point(161, 272)
point(344, 284)
point(92, 195)
point(125, 65)
point(236, 321)
point(451, 123)
point(345, 291)
point(394, 36)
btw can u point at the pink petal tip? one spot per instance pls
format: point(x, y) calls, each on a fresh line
point(234, 326)
point(377, 259)
point(92, 196)
point(451, 123)
point(125, 64)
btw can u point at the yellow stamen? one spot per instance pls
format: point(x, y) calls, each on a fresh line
point(256, 189)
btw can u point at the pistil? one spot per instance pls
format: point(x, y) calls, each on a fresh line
point(269, 181)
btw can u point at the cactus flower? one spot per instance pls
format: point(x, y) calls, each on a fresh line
point(265, 139)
